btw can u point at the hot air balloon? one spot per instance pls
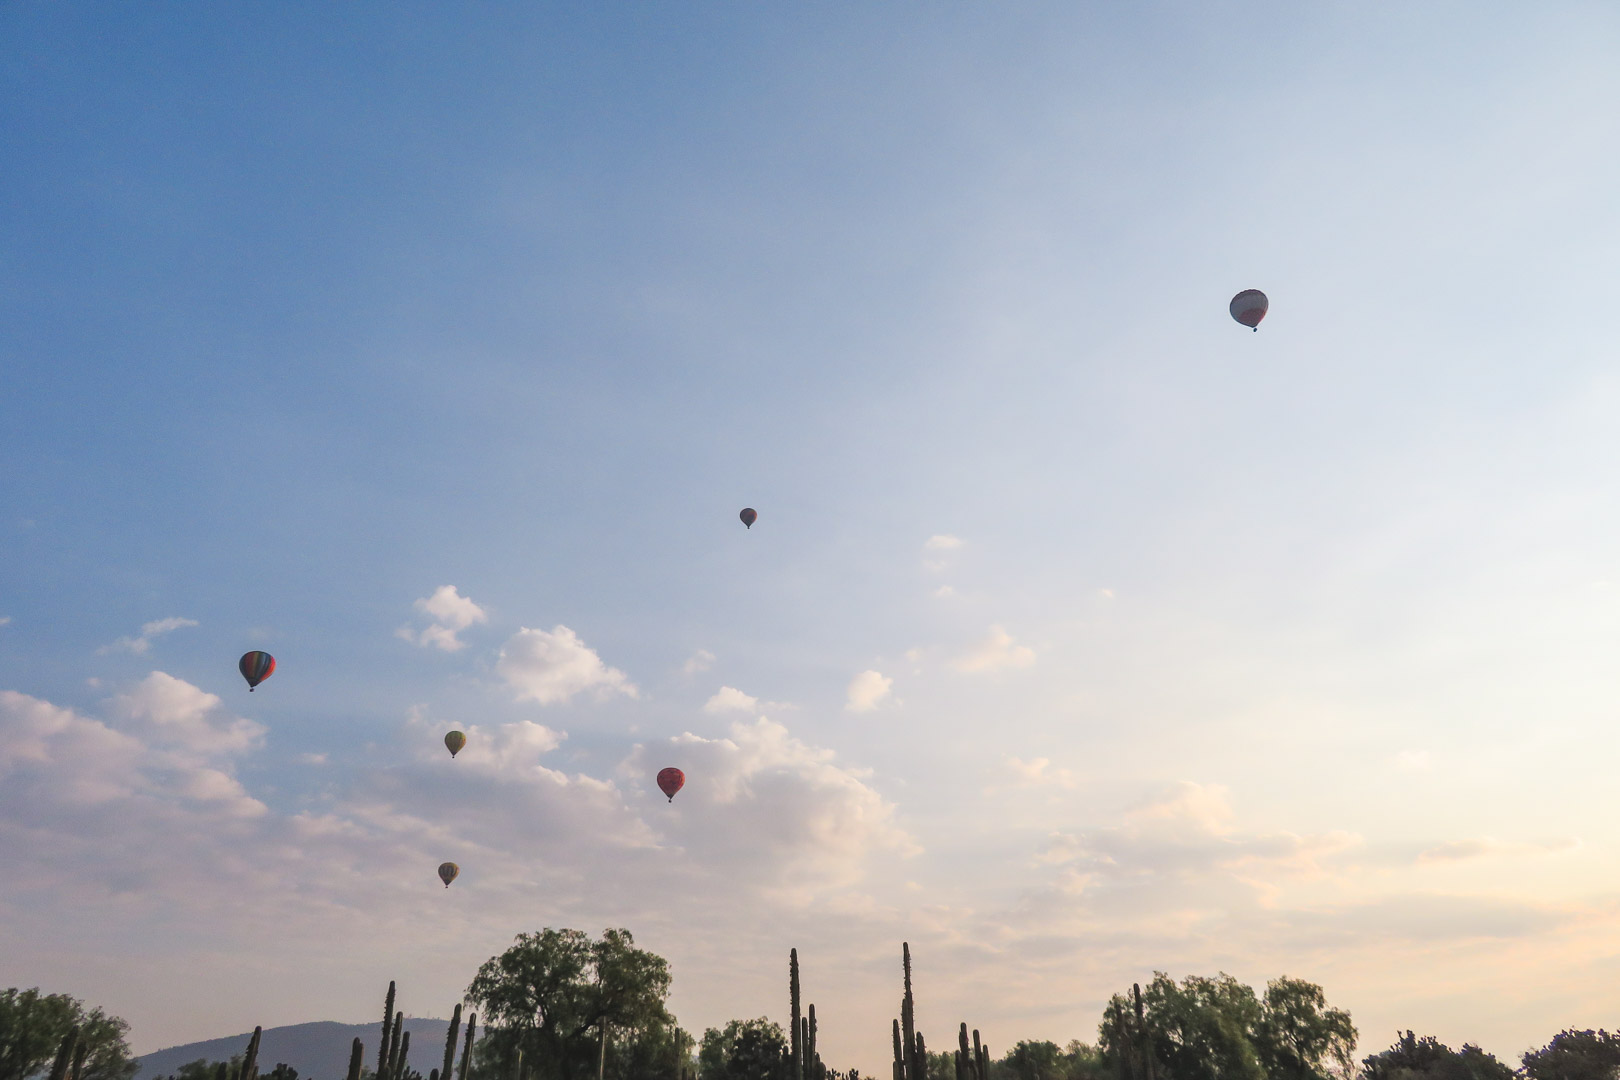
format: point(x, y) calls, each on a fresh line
point(670, 781)
point(256, 667)
point(448, 872)
point(1249, 307)
point(454, 741)
point(748, 516)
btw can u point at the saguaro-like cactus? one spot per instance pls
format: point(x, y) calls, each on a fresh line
point(793, 997)
point(386, 1045)
point(399, 1058)
point(810, 1059)
point(450, 1043)
point(250, 1060)
point(357, 1055)
point(981, 1054)
point(466, 1049)
point(908, 1028)
point(1143, 1045)
point(64, 1054)
point(899, 1057)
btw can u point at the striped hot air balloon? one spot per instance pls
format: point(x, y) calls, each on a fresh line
point(448, 872)
point(1249, 307)
point(256, 667)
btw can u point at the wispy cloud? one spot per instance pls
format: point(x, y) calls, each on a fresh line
point(700, 661)
point(868, 690)
point(1037, 772)
point(729, 698)
point(141, 642)
point(996, 653)
point(450, 613)
point(935, 549)
point(551, 666)
point(1485, 846)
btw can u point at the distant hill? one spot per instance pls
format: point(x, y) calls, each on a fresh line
point(319, 1051)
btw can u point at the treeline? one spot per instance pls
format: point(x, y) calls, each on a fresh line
point(560, 1005)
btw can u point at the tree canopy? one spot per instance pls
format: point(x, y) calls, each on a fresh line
point(1576, 1055)
point(1219, 1029)
point(33, 1025)
point(569, 1003)
point(744, 1050)
point(1426, 1058)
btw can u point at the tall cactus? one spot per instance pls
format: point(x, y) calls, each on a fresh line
point(399, 1059)
point(393, 1046)
point(899, 1058)
point(385, 1046)
point(250, 1060)
point(1144, 1045)
point(64, 1054)
point(793, 996)
point(981, 1054)
point(908, 1028)
point(964, 1070)
point(450, 1043)
point(810, 1042)
point(357, 1054)
point(466, 1049)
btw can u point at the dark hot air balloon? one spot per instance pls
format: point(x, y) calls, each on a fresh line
point(256, 667)
point(454, 741)
point(448, 872)
point(670, 781)
point(748, 516)
point(1249, 307)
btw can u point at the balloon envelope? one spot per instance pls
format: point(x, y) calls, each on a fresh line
point(670, 781)
point(448, 872)
point(256, 667)
point(748, 516)
point(454, 742)
point(1249, 307)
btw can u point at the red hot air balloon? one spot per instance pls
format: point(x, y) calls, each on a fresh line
point(670, 781)
point(748, 516)
point(1249, 307)
point(256, 667)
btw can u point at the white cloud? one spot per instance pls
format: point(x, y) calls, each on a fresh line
point(1034, 773)
point(996, 653)
point(5, 620)
point(934, 551)
point(762, 806)
point(944, 592)
point(702, 660)
point(550, 666)
point(143, 641)
point(451, 613)
point(171, 712)
point(728, 698)
point(867, 690)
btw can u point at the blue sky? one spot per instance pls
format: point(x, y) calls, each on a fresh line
point(1287, 652)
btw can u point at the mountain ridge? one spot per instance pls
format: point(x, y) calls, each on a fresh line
point(319, 1049)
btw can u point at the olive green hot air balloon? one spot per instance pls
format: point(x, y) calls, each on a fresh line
point(448, 872)
point(454, 742)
